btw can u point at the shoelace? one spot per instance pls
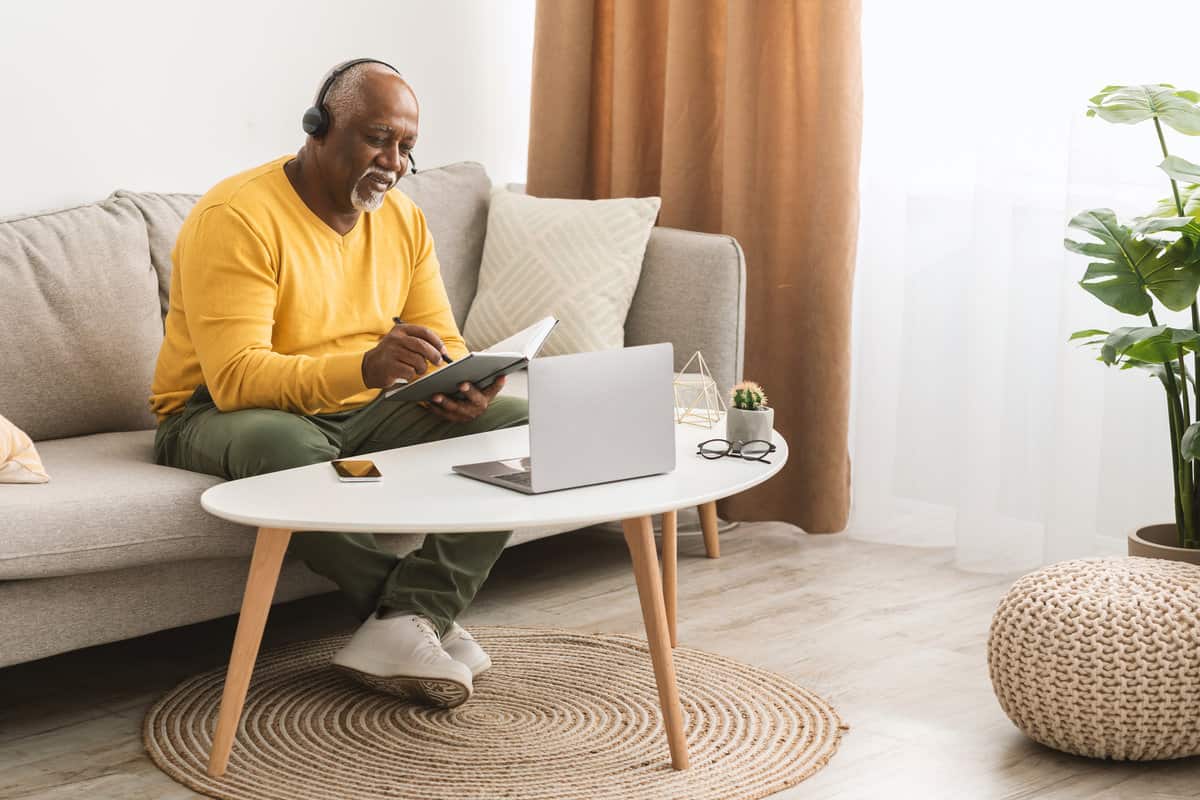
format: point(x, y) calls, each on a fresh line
point(428, 632)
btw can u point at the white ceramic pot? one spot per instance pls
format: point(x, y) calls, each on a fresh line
point(744, 426)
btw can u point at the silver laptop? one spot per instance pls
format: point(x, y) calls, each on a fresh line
point(593, 418)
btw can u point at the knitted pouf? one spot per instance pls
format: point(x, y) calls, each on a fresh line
point(1101, 657)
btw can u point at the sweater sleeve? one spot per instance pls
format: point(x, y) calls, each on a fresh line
point(229, 284)
point(427, 302)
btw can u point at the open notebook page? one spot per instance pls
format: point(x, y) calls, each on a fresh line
point(525, 343)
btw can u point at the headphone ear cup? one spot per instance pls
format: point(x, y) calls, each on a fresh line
point(315, 122)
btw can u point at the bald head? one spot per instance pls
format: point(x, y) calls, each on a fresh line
point(360, 87)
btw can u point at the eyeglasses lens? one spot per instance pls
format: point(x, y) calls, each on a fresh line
point(756, 449)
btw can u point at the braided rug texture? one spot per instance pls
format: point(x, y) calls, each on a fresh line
point(560, 715)
point(1101, 657)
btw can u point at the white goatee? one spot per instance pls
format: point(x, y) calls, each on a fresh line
point(369, 200)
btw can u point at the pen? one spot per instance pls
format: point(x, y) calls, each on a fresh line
point(445, 356)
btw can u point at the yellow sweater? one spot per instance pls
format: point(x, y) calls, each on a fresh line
point(271, 308)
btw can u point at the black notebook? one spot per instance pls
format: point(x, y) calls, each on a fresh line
point(481, 368)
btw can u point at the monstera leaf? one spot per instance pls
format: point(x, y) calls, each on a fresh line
point(1188, 226)
point(1126, 266)
point(1181, 169)
point(1133, 104)
point(1189, 448)
point(1159, 371)
point(1148, 345)
point(1126, 343)
point(1189, 195)
point(1093, 336)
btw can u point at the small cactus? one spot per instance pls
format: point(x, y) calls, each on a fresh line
point(749, 396)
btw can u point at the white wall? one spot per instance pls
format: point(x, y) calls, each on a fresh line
point(171, 96)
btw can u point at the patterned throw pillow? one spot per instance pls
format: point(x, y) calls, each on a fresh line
point(19, 462)
point(579, 260)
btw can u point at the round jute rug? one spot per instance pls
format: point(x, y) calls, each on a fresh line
point(559, 716)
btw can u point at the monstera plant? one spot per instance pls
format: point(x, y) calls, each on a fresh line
point(1155, 257)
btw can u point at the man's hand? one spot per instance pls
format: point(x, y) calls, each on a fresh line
point(476, 402)
point(404, 353)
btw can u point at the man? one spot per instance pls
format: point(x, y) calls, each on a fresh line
point(280, 335)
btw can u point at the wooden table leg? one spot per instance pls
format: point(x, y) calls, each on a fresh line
point(708, 522)
point(670, 572)
point(639, 535)
point(269, 549)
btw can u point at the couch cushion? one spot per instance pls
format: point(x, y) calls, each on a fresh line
point(54, 615)
point(81, 322)
point(164, 215)
point(455, 201)
point(109, 506)
point(692, 293)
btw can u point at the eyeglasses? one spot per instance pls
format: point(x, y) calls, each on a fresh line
point(753, 450)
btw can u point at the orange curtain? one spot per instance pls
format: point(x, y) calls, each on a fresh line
point(746, 117)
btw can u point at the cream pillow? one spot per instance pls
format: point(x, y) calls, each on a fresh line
point(579, 260)
point(19, 462)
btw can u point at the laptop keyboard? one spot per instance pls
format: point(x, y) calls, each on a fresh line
point(517, 478)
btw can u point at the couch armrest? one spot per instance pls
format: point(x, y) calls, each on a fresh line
point(692, 293)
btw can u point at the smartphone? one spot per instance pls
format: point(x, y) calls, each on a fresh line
point(361, 471)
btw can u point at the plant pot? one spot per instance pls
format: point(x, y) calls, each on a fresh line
point(744, 426)
point(1161, 541)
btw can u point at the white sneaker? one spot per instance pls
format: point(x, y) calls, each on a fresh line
point(460, 645)
point(402, 656)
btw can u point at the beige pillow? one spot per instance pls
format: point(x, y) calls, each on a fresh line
point(19, 462)
point(579, 260)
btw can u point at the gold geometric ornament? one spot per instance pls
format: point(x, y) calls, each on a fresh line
point(698, 399)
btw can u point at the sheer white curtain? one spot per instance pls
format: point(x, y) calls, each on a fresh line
point(974, 423)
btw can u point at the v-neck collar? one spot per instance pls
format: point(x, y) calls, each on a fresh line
point(311, 215)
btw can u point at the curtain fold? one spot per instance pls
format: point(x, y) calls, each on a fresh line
point(746, 118)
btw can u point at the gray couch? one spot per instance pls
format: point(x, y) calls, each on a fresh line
point(116, 546)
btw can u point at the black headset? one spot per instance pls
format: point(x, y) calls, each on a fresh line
point(316, 119)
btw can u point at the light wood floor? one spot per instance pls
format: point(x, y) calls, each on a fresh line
point(894, 637)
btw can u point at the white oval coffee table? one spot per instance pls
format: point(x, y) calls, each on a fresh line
point(420, 494)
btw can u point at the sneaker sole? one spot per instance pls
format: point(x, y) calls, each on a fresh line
point(434, 692)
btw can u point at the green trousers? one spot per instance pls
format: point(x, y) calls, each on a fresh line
point(437, 581)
